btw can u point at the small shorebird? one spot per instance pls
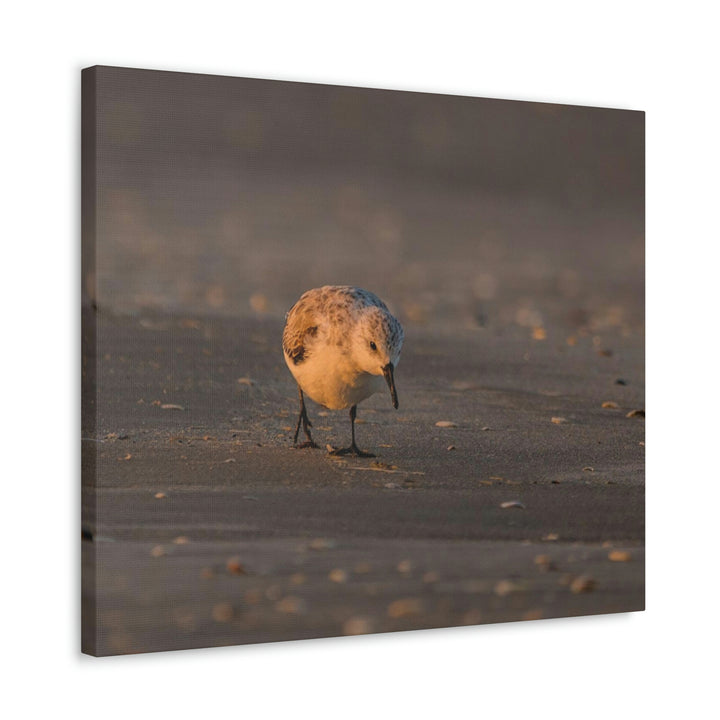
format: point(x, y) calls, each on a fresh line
point(340, 342)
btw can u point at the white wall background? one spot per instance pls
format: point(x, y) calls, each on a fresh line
point(635, 55)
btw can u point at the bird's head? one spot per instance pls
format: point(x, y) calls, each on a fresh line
point(377, 345)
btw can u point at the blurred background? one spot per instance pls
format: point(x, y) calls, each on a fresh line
point(231, 196)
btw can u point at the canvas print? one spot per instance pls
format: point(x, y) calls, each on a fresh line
point(355, 361)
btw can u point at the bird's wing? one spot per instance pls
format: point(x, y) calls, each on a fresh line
point(300, 327)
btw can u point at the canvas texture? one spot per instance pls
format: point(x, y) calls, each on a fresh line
point(478, 262)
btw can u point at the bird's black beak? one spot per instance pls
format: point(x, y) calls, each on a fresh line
point(390, 379)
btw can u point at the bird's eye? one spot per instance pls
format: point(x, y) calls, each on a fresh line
point(373, 346)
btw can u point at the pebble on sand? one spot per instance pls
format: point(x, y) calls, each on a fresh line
point(619, 556)
point(544, 562)
point(338, 575)
point(582, 584)
point(291, 605)
point(222, 612)
point(610, 405)
point(258, 302)
point(505, 587)
point(404, 607)
point(404, 567)
point(235, 567)
point(358, 626)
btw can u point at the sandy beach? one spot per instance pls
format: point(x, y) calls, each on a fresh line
point(207, 528)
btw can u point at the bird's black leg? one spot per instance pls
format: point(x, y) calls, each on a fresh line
point(306, 425)
point(353, 449)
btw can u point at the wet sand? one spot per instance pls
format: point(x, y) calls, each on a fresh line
point(207, 528)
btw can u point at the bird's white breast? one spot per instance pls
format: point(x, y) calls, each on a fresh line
point(332, 379)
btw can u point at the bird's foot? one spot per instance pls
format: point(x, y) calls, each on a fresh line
point(306, 444)
point(352, 450)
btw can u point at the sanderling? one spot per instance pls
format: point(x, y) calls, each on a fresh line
point(339, 343)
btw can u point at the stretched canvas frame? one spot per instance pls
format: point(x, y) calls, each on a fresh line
point(506, 236)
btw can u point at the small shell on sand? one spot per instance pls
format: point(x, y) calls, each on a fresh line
point(512, 504)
